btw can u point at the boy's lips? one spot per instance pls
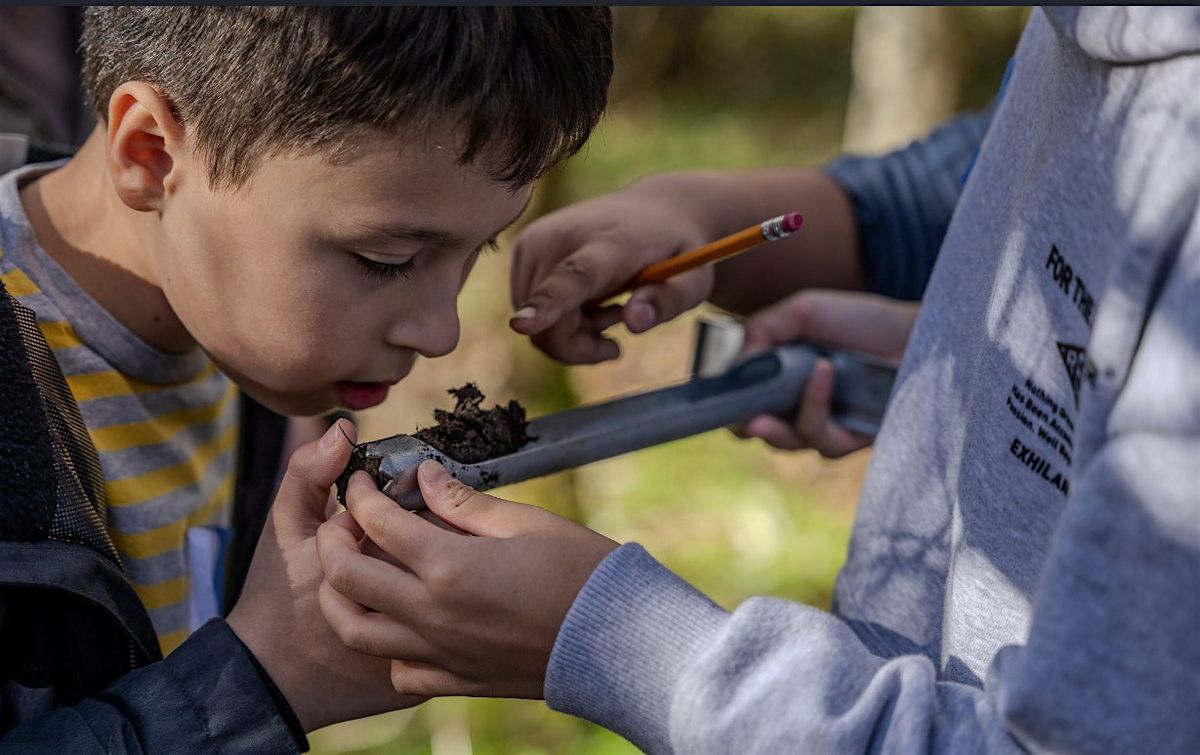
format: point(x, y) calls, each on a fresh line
point(355, 396)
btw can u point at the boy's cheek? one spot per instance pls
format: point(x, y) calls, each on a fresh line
point(274, 335)
point(287, 403)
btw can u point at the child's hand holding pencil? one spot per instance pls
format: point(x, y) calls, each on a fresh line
point(570, 262)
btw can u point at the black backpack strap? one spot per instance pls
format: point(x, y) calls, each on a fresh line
point(71, 623)
point(28, 492)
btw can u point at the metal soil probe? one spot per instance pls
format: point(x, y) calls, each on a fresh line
point(768, 383)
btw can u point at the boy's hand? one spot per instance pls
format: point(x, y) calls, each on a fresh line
point(576, 255)
point(277, 615)
point(861, 322)
point(465, 615)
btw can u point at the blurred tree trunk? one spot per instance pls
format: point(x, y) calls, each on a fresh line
point(658, 50)
point(905, 75)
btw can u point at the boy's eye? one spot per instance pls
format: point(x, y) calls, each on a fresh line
point(383, 270)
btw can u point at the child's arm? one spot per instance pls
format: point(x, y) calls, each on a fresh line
point(570, 257)
point(873, 222)
point(1109, 666)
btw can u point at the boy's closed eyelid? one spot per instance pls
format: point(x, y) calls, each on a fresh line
point(394, 260)
point(383, 257)
point(386, 271)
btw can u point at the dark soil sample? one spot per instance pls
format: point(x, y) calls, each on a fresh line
point(470, 434)
point(360, 459)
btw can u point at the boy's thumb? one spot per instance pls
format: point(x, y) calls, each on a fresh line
point(313, 469)
point(469, 510)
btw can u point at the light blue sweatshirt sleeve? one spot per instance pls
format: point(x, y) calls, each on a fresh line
point(1109, 666)
point(903, 202)
point(646, 655)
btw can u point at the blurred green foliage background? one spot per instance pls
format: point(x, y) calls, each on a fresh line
point(724, 87)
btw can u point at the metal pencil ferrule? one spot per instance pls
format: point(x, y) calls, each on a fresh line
point(773, 230)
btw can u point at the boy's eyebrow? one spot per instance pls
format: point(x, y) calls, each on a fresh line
point(410, 232)
point(426, 234)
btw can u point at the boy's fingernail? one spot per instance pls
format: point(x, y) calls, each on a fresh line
point(641, 316)
point(525, 313)
point(435, 474)
point(329, 439)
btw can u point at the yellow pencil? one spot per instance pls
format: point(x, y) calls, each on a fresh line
point(724, 248)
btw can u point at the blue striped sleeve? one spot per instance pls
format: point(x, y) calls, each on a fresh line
point(903, 202)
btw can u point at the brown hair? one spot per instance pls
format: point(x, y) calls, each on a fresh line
point(527, 84)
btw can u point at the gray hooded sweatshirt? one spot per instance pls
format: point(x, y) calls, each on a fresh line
point(1024, 571)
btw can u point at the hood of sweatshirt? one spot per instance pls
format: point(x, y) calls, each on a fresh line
point(1129, 34)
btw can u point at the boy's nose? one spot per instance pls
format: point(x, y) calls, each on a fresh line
point(434, 333)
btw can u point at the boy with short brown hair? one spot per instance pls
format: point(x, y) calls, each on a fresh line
point(285, 199)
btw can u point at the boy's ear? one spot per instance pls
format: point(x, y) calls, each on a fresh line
point(145, 145)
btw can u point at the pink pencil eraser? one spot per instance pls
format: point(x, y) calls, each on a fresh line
point(792, 222)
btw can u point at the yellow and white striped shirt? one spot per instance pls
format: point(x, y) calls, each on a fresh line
point(164, 425)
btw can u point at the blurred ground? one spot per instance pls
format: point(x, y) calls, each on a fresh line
point(723, 87)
